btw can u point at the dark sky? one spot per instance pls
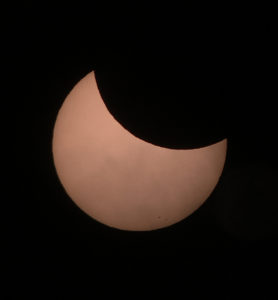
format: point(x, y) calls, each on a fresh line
point(220, 68)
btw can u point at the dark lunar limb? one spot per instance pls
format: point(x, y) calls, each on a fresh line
point(174, 102)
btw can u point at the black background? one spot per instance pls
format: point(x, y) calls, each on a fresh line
point(230, 240)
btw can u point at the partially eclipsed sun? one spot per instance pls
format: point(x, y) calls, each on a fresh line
point(120, 180)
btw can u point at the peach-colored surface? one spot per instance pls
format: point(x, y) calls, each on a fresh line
point(120, 180)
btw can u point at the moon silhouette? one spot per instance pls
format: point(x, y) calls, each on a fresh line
point(121, 180)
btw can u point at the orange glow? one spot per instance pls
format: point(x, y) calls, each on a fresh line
point(120, 180)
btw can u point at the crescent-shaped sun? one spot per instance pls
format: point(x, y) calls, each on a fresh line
point(121, 180)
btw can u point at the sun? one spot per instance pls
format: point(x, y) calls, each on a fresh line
point(121, 180)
